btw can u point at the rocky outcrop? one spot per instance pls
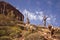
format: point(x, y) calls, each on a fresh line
point(8, 9)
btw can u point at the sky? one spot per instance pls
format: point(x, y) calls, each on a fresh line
point(36, 9)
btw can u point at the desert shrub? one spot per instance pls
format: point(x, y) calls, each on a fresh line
point(57, 32)
point(35, 36)
point(13, 32)
point(8, 28)
point(26, 33)
point(49, 27)
point(2, 32)
point(6, 20)
point(21, 27)
point(5, 38)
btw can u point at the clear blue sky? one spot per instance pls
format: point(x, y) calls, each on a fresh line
point(37, 8)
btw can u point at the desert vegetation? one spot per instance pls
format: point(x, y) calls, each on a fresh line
point(12, 27)
point(10, 30)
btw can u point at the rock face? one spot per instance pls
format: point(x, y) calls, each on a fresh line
point(8, 9)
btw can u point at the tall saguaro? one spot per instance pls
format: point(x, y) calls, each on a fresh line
point(27, 19)
point(44, 20)
point(1, 10)
point(4, 8)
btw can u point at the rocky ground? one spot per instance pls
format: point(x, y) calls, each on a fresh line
point(46, 33)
